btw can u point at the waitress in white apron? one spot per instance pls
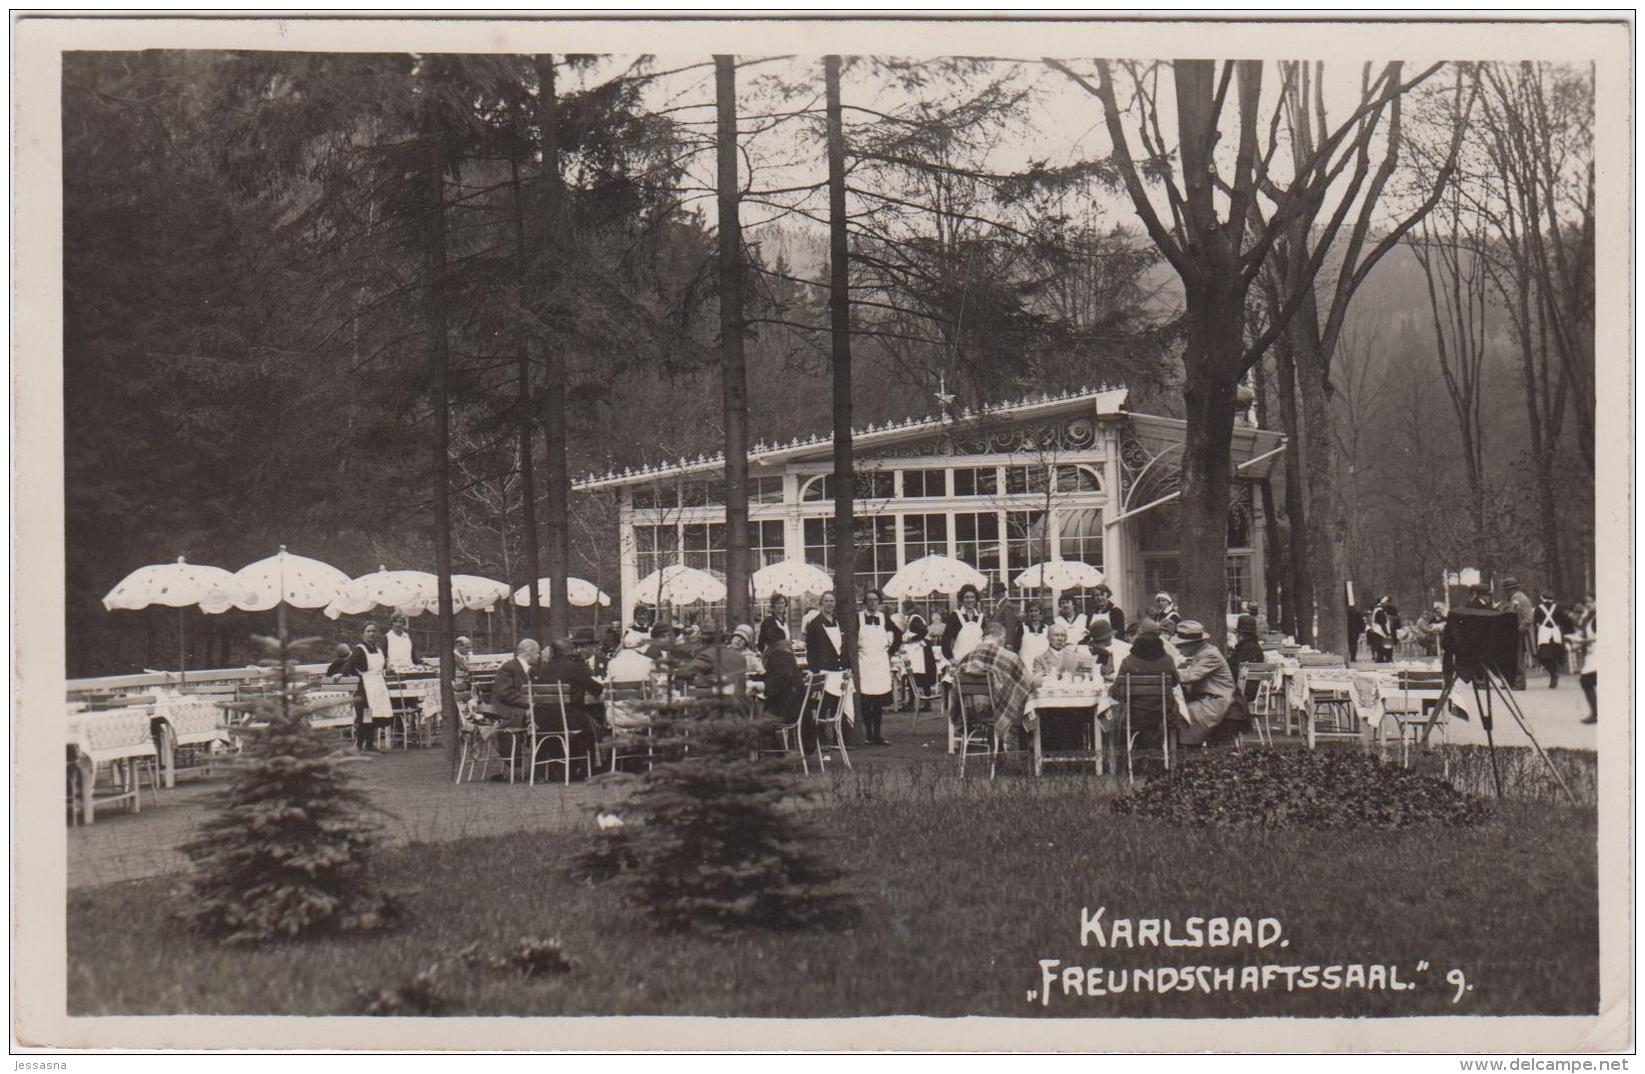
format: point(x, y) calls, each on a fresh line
point(964, 630)
point(1034, 640)
point(877, 635)
point(371, 696)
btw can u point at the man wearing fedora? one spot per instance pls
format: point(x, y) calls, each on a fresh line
point(1522, 607)
point(1207, 682)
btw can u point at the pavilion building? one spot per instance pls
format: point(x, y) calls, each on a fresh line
point(1074, 477)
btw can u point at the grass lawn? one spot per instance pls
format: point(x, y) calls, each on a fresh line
point(962, 895)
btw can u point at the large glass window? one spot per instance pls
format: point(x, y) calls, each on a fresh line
point(870, 485)
point(1024, 540)
point(702, 492)
point(924, 484)
point(705, 545)
point(924, 535)
point(1023, 480)
point(1239, 582)
point(765, 540)
point(977, 540)
point(876, 559)
point(1080, 531)
point(819, 541)
point(818, 488)
point(656, 547)
point(765, 490)
point(1071, 478)
point(976, 481)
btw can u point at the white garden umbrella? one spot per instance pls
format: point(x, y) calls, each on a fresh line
point(791, 578)
point(177, 585)
point(406, 591)
point(1059, 574)
point(578, 593)
point(933, 574)
point(679, 584)
point(284, 579)
point(470, 592)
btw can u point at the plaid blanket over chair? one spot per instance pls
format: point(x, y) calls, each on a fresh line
point(1007, 679)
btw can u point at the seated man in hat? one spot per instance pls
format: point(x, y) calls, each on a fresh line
point(1108, 649)
point(1207, 683)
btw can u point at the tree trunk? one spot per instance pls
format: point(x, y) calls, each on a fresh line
point(1327, 526)
point(1210, 385)
point(527, 451)
point(839, 311)
point(554, 378)
point(1272, 547)
point(733, 376)
point(1300, 601)
point(439, 361)
point(1274, 594)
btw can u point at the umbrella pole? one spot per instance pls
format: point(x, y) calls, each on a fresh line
point(182, 651)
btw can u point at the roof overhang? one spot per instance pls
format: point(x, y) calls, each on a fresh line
point(1102, 402)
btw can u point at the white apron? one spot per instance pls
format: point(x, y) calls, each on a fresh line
point(1033, 645)
point(376, 689)
point(836, 638)
point(969, 636)
point(834, 686)
point(1547, 631)
point(1076, 628)
point(399, 650)
point(873, 656)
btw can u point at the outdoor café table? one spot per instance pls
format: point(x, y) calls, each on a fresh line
point(119, 737)
point(181, 720)
point(1070, 696)
point(1362, 687)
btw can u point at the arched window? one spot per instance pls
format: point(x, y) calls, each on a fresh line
point(1077, 477)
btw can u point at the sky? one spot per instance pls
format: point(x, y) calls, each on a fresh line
point(1063, 123)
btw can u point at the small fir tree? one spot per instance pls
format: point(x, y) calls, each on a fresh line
point(706, 841)
point(286, 854)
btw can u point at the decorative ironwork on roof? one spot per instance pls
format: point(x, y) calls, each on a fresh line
point(764, 452)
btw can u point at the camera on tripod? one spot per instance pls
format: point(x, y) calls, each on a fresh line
point(1480, 639)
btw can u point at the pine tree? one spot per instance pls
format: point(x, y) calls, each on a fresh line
point(287, 852)
point(707, 842)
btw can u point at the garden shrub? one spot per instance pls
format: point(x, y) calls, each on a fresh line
point(285, 853)
point(706, 842)
point(1265, 788)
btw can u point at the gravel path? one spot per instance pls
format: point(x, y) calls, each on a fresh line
point(414, 789)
